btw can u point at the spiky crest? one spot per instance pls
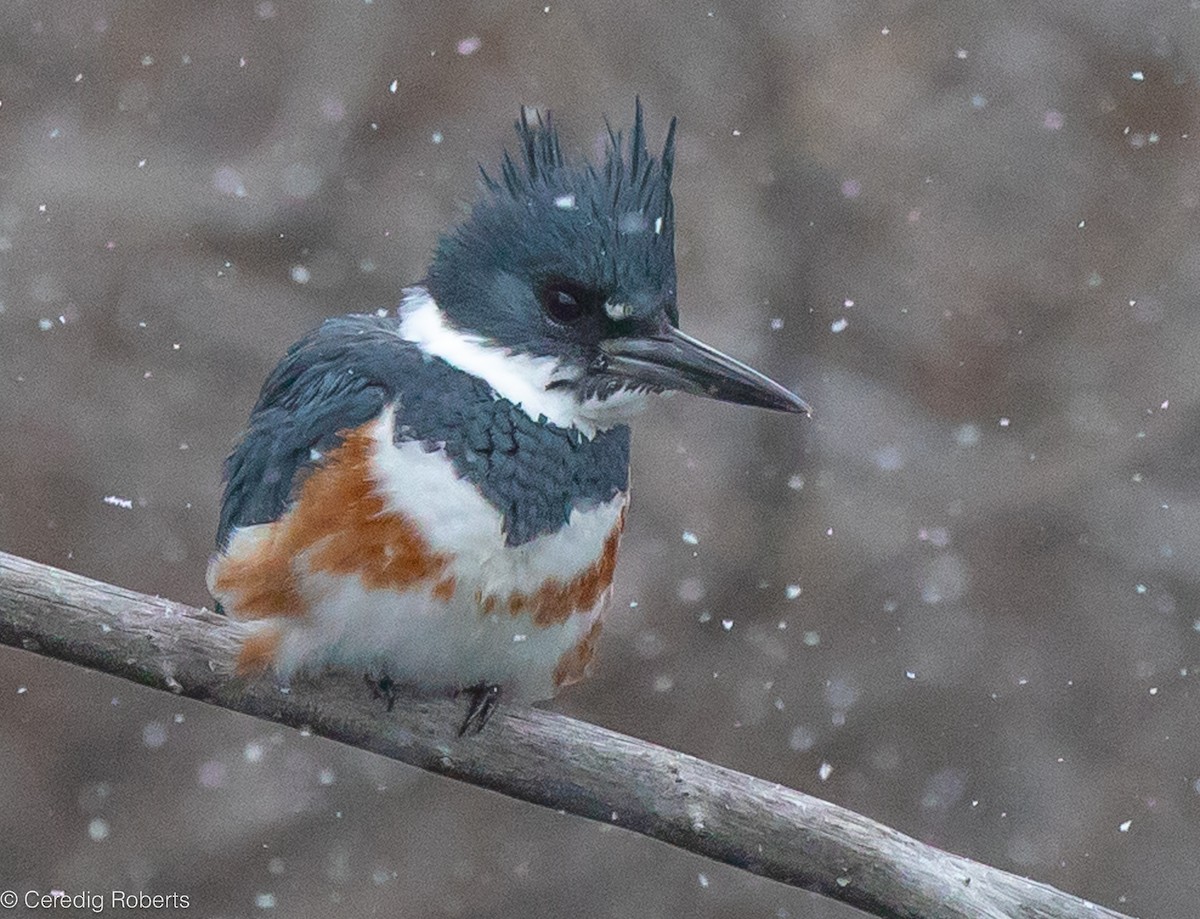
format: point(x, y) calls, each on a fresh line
point(632, 176)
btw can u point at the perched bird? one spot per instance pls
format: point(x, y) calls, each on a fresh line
point(435, 496)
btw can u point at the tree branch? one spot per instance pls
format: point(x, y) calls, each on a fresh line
point(533, 755)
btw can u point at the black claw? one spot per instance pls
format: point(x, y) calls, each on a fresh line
point(382, 688)
point(483, 703)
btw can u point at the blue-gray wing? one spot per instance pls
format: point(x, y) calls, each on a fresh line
point(334, 379)
point(343, 375)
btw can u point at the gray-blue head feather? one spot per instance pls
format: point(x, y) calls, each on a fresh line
point(560, 254)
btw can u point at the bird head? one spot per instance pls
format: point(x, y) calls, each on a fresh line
point(572, 265)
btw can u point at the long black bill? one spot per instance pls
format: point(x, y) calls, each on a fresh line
point(672, 360)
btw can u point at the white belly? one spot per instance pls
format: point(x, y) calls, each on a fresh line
point(434, 637)
point(421, 642)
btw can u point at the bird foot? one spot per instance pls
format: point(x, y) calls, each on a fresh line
point(483, 702)
point(382, 688)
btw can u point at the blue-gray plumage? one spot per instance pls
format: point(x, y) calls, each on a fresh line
point(437, 495)
point(343, 374)
point(605, 234)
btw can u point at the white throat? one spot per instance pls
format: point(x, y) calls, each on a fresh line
point(522, 379)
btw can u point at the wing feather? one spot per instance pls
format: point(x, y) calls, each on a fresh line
point(336, 378)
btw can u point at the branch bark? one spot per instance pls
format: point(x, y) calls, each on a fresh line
point(532, 755)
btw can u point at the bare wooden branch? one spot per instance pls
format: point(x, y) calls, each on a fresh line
point(533, 755)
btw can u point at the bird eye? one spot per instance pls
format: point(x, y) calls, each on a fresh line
point(563, 303)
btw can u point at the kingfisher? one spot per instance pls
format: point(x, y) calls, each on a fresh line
point(434, 495)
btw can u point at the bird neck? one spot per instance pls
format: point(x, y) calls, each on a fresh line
point(525, 380)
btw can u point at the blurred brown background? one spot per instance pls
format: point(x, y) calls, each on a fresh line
point(963, 599)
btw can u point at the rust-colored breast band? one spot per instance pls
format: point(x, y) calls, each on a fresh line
point(556, 601)
point(338, 525)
